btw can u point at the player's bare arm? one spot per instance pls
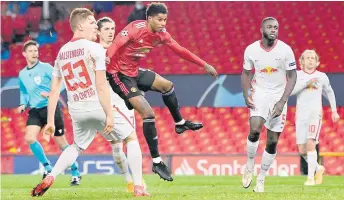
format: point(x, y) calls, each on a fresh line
point(278, 108)
point(56, 83)
point(246, 85)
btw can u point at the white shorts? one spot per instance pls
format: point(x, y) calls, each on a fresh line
point(263, 108)
point(87, 124)
point(308, 129)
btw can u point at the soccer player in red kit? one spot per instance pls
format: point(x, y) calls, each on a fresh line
point(134, 42)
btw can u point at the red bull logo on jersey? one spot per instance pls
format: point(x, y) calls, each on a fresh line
point(268, 70)
point(311, 87)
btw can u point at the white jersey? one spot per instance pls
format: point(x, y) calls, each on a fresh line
point(309, 96)
point(76, 63)
point(270, 67)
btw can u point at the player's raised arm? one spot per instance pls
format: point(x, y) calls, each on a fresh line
point(246, 79)
point(187, 55)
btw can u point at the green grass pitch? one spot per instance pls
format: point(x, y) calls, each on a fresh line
point(183, 187)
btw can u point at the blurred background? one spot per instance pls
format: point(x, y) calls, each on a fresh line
point(218, 32)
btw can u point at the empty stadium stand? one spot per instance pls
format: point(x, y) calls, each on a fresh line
point(218, 32)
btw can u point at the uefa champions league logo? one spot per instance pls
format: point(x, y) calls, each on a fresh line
point(223, 97)
point(41, 170)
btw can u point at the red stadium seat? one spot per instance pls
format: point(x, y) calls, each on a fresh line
point(34, 17)
point(19, 25)
point(211, 26)
point(223, 132)
point(220, 31)
point(6, 28)
point(219, 130)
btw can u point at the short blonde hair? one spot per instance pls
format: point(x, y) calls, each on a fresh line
point(302, 57)
point(77, 15)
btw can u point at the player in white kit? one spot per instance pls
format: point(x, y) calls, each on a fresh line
point(106, 33)
point(80, 64)
point(310, 86)
point(273, 81)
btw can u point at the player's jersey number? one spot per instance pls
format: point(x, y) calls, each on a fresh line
point(72, 71)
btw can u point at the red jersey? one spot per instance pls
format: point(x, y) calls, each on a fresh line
point(135, 41)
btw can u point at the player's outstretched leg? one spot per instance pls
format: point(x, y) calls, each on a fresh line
point(42, 187)
point(256, 124)
point(141, 105)
point(37, 150)
point(170, 99)
point(67, 158)
point(76, 177)
point(267, 159)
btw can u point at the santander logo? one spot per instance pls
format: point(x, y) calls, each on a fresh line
point(231, 165)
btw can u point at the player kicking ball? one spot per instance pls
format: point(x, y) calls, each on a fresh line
point(134, 42)
point(310, 86)
point(80, 64)
point(106, 33)
point(274, 80)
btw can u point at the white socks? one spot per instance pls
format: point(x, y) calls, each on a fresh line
point(312, 158)
point(135, 161)
point(157, 160)
point(267, 160)
point(121, 161)
point(181, 122)
point(66, 159)
point(306, 159)
point(251, 153)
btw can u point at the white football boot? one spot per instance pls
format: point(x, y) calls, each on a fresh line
point(247, 178)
